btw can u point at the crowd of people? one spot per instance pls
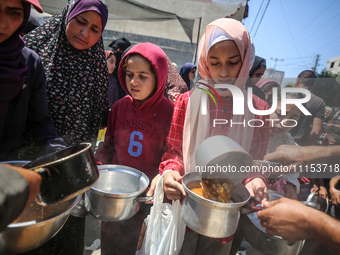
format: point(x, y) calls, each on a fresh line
point(59, 86)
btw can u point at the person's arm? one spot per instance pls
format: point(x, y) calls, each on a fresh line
point(335, 193)
point(305, 155)
point(18, 188)
point(315, 132)
point(256, 183)
point(172, 165)
point(292, 220)
point(106, 149)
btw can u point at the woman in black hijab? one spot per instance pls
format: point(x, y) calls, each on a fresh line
point(258, 69)
point(255, 74)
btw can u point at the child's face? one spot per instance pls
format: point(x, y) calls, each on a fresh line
point(224, 62)
point(140, 79)
point(111, 63)
point(277, 129)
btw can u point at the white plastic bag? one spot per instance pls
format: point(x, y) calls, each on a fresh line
point(165, 228)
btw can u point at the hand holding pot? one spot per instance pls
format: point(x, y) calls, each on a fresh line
point(334, 192)
point(335, 196)
point(33, 179)
point(257, 188)
point(173, 188)
point(152, 188)
point(287, 218)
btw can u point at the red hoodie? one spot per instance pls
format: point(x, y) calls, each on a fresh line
point(136, 134)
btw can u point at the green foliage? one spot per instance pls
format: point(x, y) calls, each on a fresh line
point(289, 84)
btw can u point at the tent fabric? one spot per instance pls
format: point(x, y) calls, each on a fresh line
point(129, 10)
point(142, 10)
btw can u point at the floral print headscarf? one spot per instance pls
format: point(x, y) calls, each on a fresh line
point(77, 80)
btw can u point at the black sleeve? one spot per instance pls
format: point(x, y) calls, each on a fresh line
point(13, 195)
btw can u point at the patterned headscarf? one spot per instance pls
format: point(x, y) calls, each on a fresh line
point(77, 80)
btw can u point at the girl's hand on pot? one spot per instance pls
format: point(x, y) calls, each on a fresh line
point(173, 188)
point(258, 189)
point(152, 188)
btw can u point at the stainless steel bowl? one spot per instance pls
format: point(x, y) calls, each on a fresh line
point(114, 197)
point(32, 231)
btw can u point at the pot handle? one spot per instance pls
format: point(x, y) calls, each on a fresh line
point(267, 163)
point(143, 199)
point(250, 209)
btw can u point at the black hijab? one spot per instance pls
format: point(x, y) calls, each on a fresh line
point(257, 64)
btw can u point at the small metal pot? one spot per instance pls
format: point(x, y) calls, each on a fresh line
point(210, 218)
point(65, 173)
point(257, 237)
point(114, 197)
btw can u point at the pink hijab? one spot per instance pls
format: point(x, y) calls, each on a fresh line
point(239, 34)
point(196, 125)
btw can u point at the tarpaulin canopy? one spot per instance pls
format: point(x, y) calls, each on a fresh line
point(130, 10)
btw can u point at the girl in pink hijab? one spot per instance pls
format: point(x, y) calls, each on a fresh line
point(224, 57)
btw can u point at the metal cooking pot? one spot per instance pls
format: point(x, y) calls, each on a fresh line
point(222, 157)
point(257, 237)
point(114, 197)
point(65, 173)
point(210, 218)
point(32, 231)
point(317, 202)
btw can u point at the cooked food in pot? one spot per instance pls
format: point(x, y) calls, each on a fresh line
point(215, 189)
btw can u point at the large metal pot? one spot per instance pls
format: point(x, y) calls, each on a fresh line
point(32, 230)
point(210, 218)
point(65, 173)
point(114, 197)
point(257, 237)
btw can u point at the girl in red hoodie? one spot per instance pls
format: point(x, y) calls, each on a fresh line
point(136, 133)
